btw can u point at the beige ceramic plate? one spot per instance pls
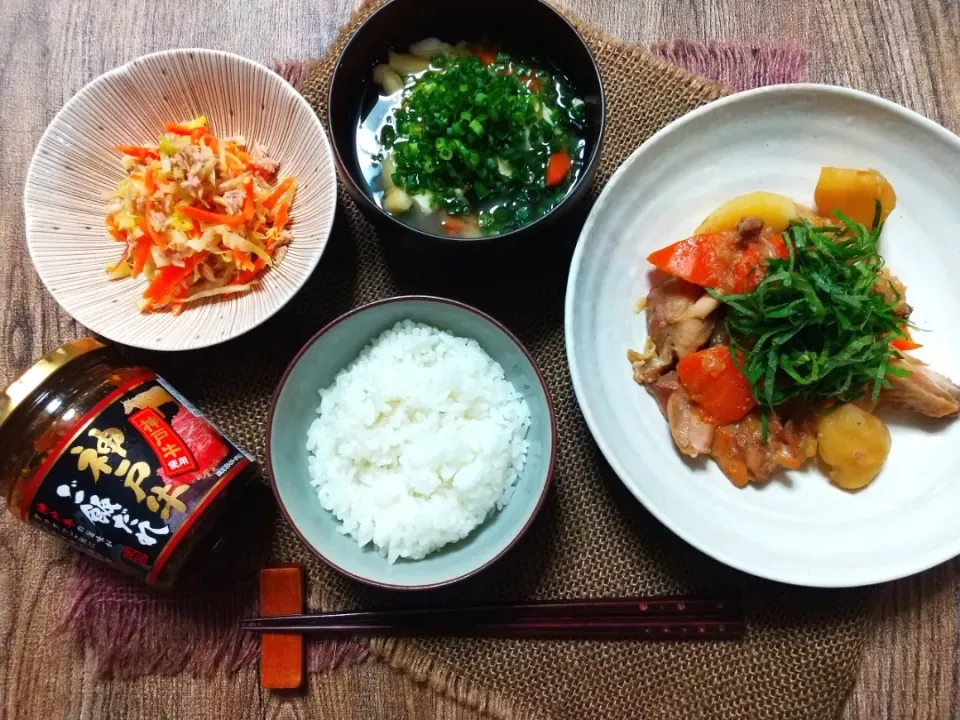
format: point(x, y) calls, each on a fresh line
point(75, 164)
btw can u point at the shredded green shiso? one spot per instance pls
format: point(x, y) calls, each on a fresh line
point(475, 137)
point(815, 329)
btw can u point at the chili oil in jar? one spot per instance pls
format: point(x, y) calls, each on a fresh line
point(111, 459)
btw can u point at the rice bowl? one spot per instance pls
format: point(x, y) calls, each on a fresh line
point(325, 356)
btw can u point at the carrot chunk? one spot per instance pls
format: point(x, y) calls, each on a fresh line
point(713, 260)
point(716, 385)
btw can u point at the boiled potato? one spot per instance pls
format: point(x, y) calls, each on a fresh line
point(396, 201)
point(775, 210)
point(406, 64)
point(854, 193)
point(387, 170)
point(429, 47)
point(386, 78)
point(853, 444)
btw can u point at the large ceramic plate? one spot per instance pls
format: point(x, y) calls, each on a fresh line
point(75, 164)
point(797, 529)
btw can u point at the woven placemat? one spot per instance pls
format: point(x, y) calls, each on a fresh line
point(592, 538)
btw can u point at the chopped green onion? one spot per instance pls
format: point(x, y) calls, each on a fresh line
point(464, 132)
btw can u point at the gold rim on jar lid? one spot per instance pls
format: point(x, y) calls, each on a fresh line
point(32, 378)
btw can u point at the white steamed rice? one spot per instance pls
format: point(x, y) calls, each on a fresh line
point(418, 440)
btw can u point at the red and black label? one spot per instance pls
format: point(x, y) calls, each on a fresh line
point(131, 477)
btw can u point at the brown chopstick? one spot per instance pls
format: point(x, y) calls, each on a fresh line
point(652, 618)
point(647, 628)
point(666, 606)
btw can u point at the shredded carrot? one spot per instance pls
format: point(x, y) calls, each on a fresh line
point(168, 283)
point(150, 233)
point(211, 141)
point(249, 203)
point(248, 275)
point(280, 218)
point(275, 196)
point(196, 213)
point(177, 129)
point(149, 186)
point(140, 255)
point(116, 232)
point(141, 153)
point(242, 260)
point(234, 162)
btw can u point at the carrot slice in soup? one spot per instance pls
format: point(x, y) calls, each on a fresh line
point(486, 55)
point(557, 167)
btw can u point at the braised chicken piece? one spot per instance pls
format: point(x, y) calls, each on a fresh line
point(924, 391)
point(738, 448)
point(692, 436)
point(676, 326)
point(743, 456)
point(663, 387)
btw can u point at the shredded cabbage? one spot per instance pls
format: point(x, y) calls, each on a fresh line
point(167, 147)
point(180, 221)
point(125, 220)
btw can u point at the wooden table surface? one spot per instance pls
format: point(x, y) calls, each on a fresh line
point(905, 51)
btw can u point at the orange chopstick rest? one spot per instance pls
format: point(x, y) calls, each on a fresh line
point(281, 654)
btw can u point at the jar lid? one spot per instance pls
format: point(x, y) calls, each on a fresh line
point(31, 379)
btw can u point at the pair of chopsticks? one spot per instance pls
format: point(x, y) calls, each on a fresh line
point(656, 618)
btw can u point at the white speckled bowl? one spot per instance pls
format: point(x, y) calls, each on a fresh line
point(75, 164)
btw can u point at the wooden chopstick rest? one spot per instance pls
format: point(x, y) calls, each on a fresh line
point(281, 654)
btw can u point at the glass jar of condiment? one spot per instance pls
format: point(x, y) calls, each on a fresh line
point(110, 458)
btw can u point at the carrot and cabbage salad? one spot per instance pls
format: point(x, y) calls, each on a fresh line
point(198, 216)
